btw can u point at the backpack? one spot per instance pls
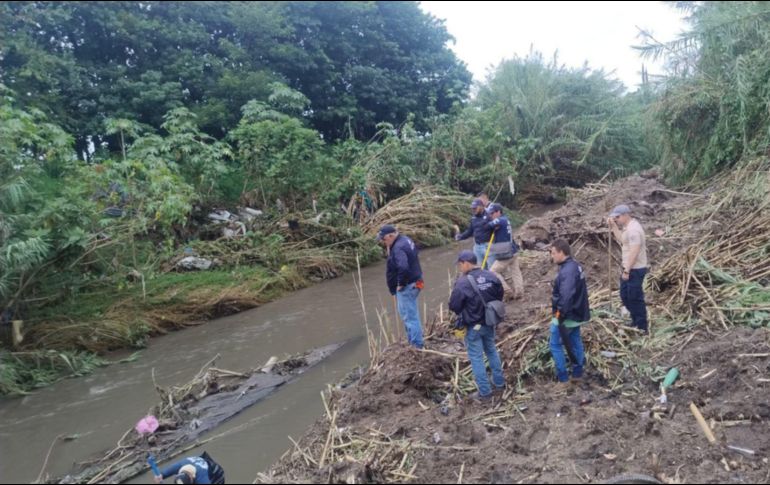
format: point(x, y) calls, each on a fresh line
point(216, 473)
point(494, 310)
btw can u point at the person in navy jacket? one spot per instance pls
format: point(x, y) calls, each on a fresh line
point(471, 310)
point(404, 279)
point(504, 254)
point(569, 304)
point(479, 229)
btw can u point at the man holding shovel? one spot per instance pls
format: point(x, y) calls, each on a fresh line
point(504, 252)
point(570, 311)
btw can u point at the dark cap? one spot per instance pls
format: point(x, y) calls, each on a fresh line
point(385, 230)
point(477, 203)
point(467, 257)
point(494, 207)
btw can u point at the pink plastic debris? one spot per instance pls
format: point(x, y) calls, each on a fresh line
point(147, 425)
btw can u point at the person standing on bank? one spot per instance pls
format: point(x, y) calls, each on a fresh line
point(635, 264)
point(479, 229)
point(404, 278)
point(469, 304)
point(569, 304)
point(504, 252)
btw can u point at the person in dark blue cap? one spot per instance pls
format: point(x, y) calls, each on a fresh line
point(503, 255)
point(404, 278)
point(479, 229)
point(470, 307)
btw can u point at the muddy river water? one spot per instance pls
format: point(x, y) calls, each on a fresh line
point(100, 407)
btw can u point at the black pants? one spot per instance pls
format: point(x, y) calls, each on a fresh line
point(632, 294)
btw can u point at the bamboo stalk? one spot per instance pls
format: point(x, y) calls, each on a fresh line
point(702, 423)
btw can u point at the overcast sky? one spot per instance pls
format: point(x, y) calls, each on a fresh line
point(601, 33)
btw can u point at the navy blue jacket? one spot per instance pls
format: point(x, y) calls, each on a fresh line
point(403, 264)
point(570, 293)
point(479, 229)
point(466, 303)
point(503, 232)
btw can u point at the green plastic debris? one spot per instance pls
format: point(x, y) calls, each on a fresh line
point(671, 377)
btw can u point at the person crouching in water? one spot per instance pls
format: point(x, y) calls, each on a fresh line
point(194, 469)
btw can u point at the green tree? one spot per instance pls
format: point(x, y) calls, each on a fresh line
point(560, 120)
point(713, 103)
point(358, 63)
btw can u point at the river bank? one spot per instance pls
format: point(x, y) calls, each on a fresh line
point(408, 419)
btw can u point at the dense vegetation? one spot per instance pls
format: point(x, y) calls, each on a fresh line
point(123, 124)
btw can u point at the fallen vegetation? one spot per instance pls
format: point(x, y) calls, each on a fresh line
point(408, 419)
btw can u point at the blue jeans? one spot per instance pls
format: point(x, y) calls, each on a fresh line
point(632, 294)
point(410, 313)
point(559, 357)
point(480, 250)
point(479, 343)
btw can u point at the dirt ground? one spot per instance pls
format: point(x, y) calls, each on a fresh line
point(407, 418)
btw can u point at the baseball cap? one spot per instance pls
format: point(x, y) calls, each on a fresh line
point(385, 230)
point(620, 210)
point(495, 207)
point(467, 256)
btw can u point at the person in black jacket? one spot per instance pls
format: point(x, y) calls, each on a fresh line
point(479, 229)
point(479, 338)
point(570, 311)
point(404, 278)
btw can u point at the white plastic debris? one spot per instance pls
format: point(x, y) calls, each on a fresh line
point(193, 263)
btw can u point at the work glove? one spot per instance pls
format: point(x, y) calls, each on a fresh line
point(460, 333)
point(457, 237)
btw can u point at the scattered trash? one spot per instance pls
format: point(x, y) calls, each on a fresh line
point(269, 365)
point(745, 451)
point(671, 377)
point(220, 216)
point(248, 214)
point(660, 232)
point(234, 229)
point(436, 438)
point(608, 354)
point(147, 425)
point(193, 263)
